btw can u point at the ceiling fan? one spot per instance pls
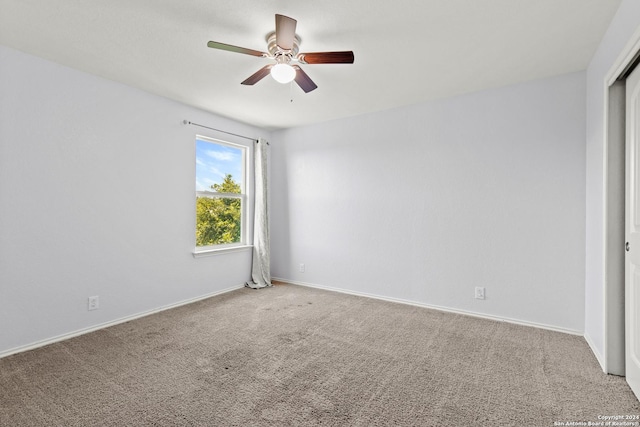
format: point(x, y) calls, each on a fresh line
point(283, 45)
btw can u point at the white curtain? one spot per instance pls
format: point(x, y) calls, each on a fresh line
point(261, 270)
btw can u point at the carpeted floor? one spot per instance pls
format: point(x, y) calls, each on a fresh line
point(290, 355)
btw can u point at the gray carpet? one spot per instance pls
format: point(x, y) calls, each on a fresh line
point(291, 355)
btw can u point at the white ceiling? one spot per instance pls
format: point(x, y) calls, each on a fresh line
point(406, 51)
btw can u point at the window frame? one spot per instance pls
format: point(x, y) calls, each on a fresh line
point(243, 196)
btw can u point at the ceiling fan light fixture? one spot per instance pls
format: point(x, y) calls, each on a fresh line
point(283, 73)
point(283, 46)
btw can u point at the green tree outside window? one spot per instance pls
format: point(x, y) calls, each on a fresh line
point(218, 219)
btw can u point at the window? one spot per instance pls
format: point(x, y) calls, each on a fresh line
point(220, 194)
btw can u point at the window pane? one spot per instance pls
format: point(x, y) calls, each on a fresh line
point(218, 220)
point(220, 169)
point(214, 163)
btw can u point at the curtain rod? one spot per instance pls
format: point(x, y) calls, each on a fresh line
point(187, 122)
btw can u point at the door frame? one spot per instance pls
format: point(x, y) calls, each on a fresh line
point(614, 208)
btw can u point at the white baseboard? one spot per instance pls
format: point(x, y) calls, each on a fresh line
point(79, 332)
point(596, 353)
point(434, 307)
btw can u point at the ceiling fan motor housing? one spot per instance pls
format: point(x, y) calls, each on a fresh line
point(282, 55)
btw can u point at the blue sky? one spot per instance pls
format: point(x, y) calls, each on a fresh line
point(214, 161)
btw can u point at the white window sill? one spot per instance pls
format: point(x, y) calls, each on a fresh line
point(221, 251)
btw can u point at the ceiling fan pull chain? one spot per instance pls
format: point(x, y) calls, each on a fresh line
point(291, 91)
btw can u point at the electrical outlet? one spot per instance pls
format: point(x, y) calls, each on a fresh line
point(94, 303)
point(479, 292)
point(302, 268)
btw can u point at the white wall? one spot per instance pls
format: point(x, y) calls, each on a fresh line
point(622, 27)
point(96, 198)
point(424, 203)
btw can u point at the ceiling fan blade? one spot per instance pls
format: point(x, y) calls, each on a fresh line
point(231, 48)
point(345, 57)
point(303, 80)
point(258, 75)
point(285, 31)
